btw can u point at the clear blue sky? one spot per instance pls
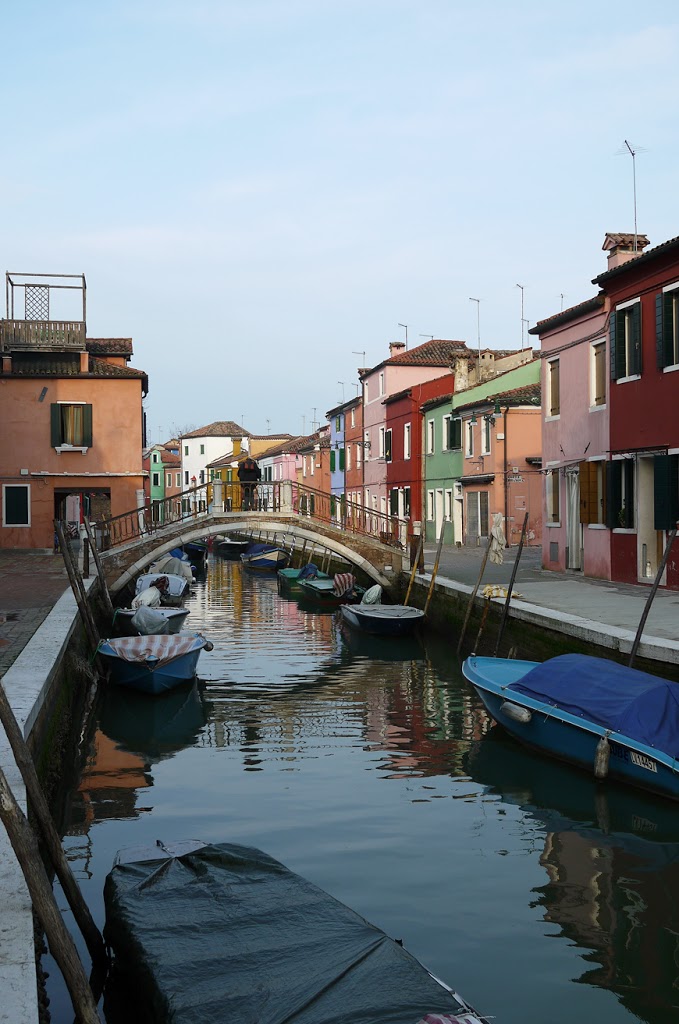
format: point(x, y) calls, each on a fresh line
point(257, 190)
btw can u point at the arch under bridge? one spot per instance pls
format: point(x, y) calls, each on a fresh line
point(288, 514)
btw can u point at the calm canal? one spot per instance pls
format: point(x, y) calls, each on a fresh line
point(369, 768)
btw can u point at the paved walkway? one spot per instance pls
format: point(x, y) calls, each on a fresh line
point(30, 586)
point(613, 605)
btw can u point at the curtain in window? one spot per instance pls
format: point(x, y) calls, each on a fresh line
point(72, 424)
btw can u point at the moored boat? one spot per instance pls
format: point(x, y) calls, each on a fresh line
point(331, 593)
point(231, 547)
point(229, 909)
point(289, 578)
point(383, 619)
point(176, 592)
point(153, 664)
point(139, 621)
point(265, 557)
point(614, 721)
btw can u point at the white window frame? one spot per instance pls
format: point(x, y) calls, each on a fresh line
point(468, 439)
point(430, 506)
point(16, 526)
point(431, 436)
point(381, 384)
point(155, 479)
point(353, 417)
point(381, 440)
point(593, 404)
point(485, 436)
point(347, 466)
point(168, 479)
point(359, 449)
point(445, 428)
point(366, 444)
point(550, 414)
point(407, 447)
point(448, 505)
point(622, 306)
point(179, 480)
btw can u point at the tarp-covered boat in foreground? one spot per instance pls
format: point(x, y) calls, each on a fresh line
point(205, 934)
point(612, 720)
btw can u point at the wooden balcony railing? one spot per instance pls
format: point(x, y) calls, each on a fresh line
point(31, 335)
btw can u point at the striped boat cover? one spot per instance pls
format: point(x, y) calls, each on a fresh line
point(164, 648)
point(342, 583)
point(444, 1018)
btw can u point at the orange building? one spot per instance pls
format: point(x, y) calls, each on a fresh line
point(71, 418)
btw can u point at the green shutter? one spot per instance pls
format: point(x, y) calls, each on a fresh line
point(87, 426)
point(55, 425)
point(332, 461)
point(456, 432)
point(636, 339)
point(341, 460)
point(665, 491)
point(613, 493)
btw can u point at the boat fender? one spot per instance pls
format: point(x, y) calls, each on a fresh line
point(602, 756)
point(516, 713)
point(209, 646)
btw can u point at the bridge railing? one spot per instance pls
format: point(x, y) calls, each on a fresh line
point(218, 496)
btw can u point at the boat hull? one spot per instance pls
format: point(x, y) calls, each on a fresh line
point(558, 734)
point(150, 674)
point(288, 579)
point(266, 561)
point(231, 548)
point(322, 594)
point(383, 620)
point(175, 618)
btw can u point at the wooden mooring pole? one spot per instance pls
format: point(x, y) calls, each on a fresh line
point(100, 570)
point(435, 569)
point(61, 944)
point(472, 596)
point(649, 600)
point(505, 610)
point(416, 563)
point(77, 587)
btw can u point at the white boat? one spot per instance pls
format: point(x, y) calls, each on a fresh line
point(139, 620)
point(177, 591)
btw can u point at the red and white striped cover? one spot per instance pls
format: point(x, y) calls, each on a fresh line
point(444, 1018)
point(342, 583)
point(161, 646)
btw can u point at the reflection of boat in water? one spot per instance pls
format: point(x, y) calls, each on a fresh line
point(380, 648)
point(218, 933)
point(155, 727)
point(612, 859)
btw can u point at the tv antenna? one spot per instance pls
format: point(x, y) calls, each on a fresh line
point(478, 325)
point(429, 336)
point(342, 383)
point(523, 319)
point(632, 149)
point(268, 426)
point(360, 354)
point(405, 328)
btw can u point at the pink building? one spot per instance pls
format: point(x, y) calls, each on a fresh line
point(575, 438)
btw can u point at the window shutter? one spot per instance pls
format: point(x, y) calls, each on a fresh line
point(387, 445)
point(87, 426)
point(55, 425)
point(393, 501)
point(667, 329)
point(456, 430)
point(613, 493)
point(611, 343)
point(332, 461)
point(665, 491)
point(588, 495)
point(636, 338)
point(659, 331)
point(341, 459)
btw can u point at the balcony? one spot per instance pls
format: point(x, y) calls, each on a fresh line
point(42, 335)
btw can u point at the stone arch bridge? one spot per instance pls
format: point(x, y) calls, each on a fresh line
point(380, 561)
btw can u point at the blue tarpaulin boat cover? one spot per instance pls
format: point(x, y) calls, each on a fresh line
point(225, 933)
point(639, 705)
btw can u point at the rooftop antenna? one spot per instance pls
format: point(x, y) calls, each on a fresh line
point(342, 383)
point(405, 327)
point(562, 298)
point(303, 425)
point(522, 316)
point(268, 426)
point(314, 425)
point(478, 325)
point(629, 147)
point(430, 336)
point(360, 354)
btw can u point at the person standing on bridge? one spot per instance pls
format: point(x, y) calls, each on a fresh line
point(249, 474)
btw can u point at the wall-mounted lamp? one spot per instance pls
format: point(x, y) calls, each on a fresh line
point(473, 419)
point(492, 416)
point(366, 444)
point(42, 394)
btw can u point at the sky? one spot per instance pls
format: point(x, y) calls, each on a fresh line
point(260, 192)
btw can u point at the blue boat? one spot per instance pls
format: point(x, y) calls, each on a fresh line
point(266, 557)
point(153, 664)
point(383, 619)
point(613, 721)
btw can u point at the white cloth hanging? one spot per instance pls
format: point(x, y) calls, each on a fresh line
point(497, 544)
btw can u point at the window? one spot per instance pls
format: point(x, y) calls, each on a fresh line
point(348, 457)
point(598, 374)
point(338, 423)
point(381, 379)
point(179, 479)
point(406, 441)
point(168, 479)
point(625, 335)
point(477, 515)
point(448, 506)
point(332, 460)
point(552, 495)
point(366, 444)
point(312, 461)
point(359, 449)
point(445, 434)
point(485, 436)
point(186, 449)
point(202, 449)
point(468, 439)
point(431, 427)
point(665, 491)
point(387, 445)
point(393, 501)
point(202, 476)
point(406, 502)
point(155, 479)
point(620, 494)
point(341, 460)
point(353, 417)
point(16, 504)
point(186, 478)
point(455, 433)
point(667, 326)
point(553, 396)
point(218, 474)
point(430, 506)
point(155, 457)
point(71, 425)
point(593, 492)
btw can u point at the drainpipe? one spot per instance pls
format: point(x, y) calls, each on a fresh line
point(504, 477)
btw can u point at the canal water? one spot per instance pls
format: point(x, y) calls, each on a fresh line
point(370, 768)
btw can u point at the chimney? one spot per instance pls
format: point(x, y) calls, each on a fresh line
point(623, 247)
point(396, 347)
point(237, 446)
point(84, 362)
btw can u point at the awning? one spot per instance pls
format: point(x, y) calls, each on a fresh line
point(480, 478)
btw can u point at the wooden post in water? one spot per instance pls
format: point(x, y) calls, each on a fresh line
point(505, 610)
point(416, 563)
point(100, 569)
point(36, 798)
point(61, 945)
point(472, 596)
point(649, 600)
point(436, 568)
point(77, 587)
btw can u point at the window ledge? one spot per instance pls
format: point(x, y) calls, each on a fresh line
point(626, 380)
point(623, 529)
point(670, 369)
point(598, 408)
point(596, 526)
point(551, 419)
point(552, 526)
point(71, 448)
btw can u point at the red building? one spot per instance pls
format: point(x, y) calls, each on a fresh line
point(403, 445)
point(642, 492)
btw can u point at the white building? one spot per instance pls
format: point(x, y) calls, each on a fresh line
point(200, 447)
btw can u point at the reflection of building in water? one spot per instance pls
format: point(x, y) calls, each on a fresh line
point(617, 896)
point(108, 786)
